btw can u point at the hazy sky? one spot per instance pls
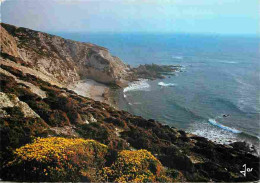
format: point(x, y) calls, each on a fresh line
point(190, 16)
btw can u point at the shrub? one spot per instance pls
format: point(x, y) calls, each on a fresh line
point(16, 132)
point(58, 118)
point(116, 121)
point(14, 112)
point(58, 159)
point(41, 108)
point(135, 166)
point(94, 131)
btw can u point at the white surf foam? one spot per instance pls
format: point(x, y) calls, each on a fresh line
point(166, 84)
point(213, 122)
point(177, 57)
point(212, 133)
point(138, 85)
point(244, 101)
point(229, 62)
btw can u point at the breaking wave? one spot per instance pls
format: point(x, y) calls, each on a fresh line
point(177, 57)
point(137, 86)
point(213, 122)
point(166, 84)
point(210, 132)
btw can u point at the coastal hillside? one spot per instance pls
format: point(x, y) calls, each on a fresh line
point(65, 60)
point(50, 133)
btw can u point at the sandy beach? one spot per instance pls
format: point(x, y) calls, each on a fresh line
point(92, 89)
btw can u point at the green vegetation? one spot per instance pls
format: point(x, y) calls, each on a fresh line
point(58, 159)
point(63, 113)
point(135, 166)
point(76, 159)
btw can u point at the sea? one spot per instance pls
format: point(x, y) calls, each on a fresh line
point(216, 94)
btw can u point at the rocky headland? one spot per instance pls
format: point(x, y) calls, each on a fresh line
point(69, 63)
point(65, 60)
point(51, 133)
point(154, 71)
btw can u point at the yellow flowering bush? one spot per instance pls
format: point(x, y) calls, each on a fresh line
point(135, 166)
point(59, 159)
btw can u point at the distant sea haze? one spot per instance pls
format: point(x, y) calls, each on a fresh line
point(217, 93)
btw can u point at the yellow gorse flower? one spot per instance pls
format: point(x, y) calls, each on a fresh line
point(58, 158)
point(45, 149)
point(134, 166)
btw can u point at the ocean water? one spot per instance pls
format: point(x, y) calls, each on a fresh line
point(220, 75)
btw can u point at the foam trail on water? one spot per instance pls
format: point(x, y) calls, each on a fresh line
point(177, 57)
point(138, 85)
point(166, 84)
point(228, 62)
point(213, 122)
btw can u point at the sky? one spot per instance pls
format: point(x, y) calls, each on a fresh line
point(151, 16)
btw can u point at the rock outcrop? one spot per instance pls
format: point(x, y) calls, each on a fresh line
point(64, 59)
point(154, 71)
point(33, 103)
point(63, 113)
point(12, 101)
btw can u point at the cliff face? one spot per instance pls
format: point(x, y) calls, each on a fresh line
point(33, 103)
point(31, 107)
point(64, 59)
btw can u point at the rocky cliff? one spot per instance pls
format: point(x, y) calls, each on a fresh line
point(45, 127)
point(63, 59)
point(31, 107)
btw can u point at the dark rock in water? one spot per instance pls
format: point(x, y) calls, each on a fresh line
point(226, 115)
point(203, 139)
point(154, 71)
point(61, 112)
point(197, 158)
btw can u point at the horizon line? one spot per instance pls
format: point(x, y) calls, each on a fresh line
point(154, 32)
point(257, 34)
